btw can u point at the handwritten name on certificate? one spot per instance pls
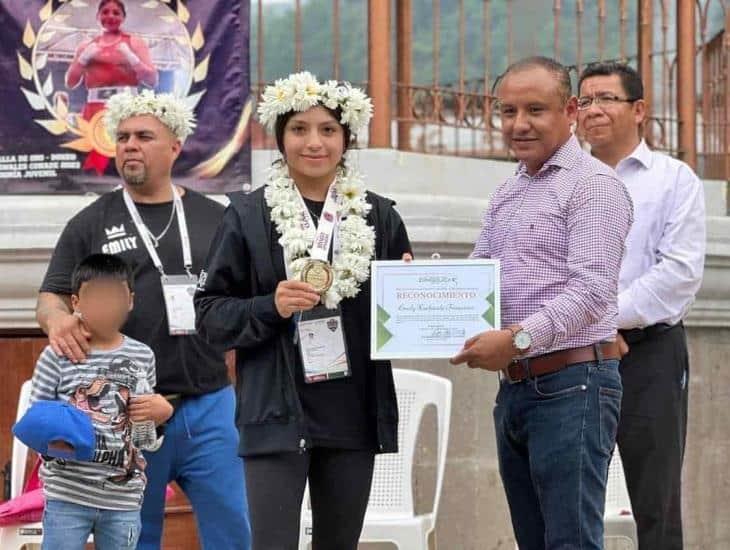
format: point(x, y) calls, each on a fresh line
point(427, 309)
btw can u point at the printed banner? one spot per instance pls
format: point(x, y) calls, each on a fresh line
point(61, 61)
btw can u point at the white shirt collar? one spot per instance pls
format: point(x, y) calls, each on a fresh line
point(642, 154)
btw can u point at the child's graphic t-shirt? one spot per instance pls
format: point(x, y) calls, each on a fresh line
point(101, 387)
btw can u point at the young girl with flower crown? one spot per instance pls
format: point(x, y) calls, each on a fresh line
point(287, 286)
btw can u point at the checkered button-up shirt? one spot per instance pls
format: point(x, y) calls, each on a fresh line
point(560, 238)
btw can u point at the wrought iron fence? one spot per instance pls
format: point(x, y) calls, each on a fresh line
point(447, 53)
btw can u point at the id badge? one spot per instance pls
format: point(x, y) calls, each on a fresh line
point(179, 291)
point(321, 339)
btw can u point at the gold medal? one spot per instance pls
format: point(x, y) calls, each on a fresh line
point(319, 274)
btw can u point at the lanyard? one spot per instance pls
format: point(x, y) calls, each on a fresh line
point(326, 228)
point(144, 232)
point(323, 237)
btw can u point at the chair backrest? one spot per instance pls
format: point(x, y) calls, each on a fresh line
point(391, 493)
point(617, 496)
point(20, 451)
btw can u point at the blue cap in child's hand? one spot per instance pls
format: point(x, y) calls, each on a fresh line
point(57, 429)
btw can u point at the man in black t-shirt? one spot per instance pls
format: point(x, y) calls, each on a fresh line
point(163, 231)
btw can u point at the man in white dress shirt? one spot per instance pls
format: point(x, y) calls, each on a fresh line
point(660, 275)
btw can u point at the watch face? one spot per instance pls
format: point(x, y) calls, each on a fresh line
point(522, 340)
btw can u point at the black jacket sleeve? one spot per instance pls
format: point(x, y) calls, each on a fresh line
point(229, 311)
point(399, 241)
point(393, 241)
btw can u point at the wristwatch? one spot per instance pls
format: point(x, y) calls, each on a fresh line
point(521, 339)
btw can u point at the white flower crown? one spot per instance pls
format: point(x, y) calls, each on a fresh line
point(172, 111)
point(301, 91)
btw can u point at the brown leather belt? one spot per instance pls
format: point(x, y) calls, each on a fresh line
point(521, 369)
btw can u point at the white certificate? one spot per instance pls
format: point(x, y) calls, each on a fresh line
point(427, 309)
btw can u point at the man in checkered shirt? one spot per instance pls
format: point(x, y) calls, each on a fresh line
point(558, 227)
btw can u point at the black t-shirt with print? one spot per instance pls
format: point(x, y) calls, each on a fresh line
point(185, 364)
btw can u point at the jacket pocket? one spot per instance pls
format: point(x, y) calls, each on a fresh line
point(261, 391)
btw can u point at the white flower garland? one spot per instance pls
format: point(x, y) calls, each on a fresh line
point(351, 266)
point(301, 91)
point(172, 111)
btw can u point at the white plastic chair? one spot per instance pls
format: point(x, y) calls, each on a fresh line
point(618, 519)
point(14, 537)
point(390, 515)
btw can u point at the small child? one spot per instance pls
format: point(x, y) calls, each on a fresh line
point(102, 496)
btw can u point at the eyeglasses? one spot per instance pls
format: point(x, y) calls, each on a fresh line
point(585, 102)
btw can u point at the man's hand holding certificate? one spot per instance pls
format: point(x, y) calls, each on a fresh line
point(491, 350)
point(430, 309)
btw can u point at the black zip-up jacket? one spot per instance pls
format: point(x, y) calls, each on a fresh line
point(235, 310)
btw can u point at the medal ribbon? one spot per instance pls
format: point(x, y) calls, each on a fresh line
point(326, 227)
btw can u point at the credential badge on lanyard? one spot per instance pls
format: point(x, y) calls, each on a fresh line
point(319, 332)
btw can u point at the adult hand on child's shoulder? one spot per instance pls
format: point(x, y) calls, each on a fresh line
point(68, 336)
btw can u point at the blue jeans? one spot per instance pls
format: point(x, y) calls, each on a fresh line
point(67, 526)
point(555, 437)
point(200, 452)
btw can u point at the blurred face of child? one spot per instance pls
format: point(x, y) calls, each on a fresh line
point(103, 304)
